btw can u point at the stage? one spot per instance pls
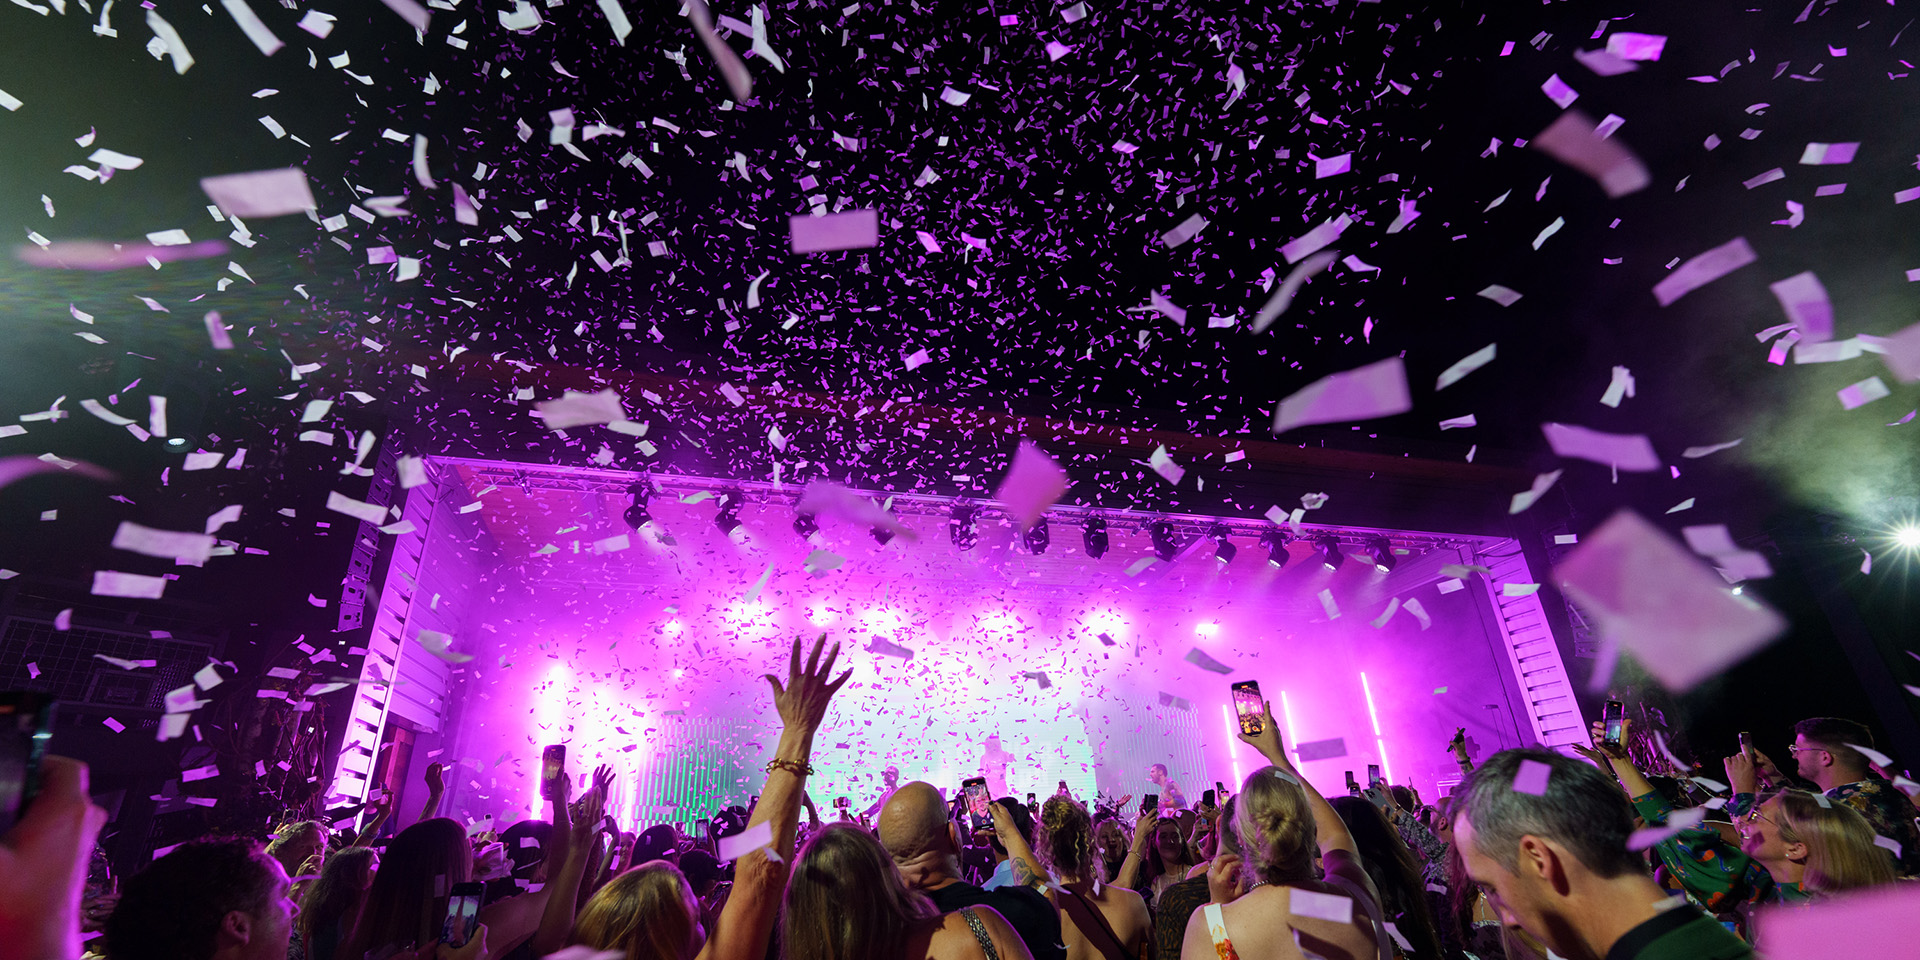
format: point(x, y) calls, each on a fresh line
point(645, 647)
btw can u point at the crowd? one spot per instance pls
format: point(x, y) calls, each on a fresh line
point(1533, 852)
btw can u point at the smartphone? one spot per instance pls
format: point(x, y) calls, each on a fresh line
point(1373, 774)
point(1220, 788)
point(704, 828)
point(1150, 803)
point(463, 913)
point(1248, 706)
point(1207, 799)
point(1353, 786)
point(1030, 802)
point(975, 791)
point(553, 765)
point(1613, 715)
point(26, 723)
point(842, 803)
point(1746, 742)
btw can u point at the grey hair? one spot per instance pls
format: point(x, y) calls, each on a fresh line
point(1581, 810)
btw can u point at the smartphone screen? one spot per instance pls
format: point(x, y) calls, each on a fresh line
point(1030, 802)
point(1612, 715)
point(1373, 774)
point(463, 913)
point(1220, 788)
point(26, 722)
point(975, 790)
point(1207, 799)
point(1248, 706)
point(1150, 803)
point(1746, 741)
point(1353, 786)
point(553, 763)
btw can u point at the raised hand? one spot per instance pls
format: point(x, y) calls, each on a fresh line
point(803, 700)
point(602, 778)
point(1143, 831)
point(1598, 730)
point(1741, 774)
point(1223, 878)
point(593, 803)
point(436, 778)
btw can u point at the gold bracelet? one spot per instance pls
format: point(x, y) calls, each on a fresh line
point(799, 768)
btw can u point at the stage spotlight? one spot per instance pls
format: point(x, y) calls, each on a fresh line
point(1037, 536)
point(805, 525)
point(637, 515)
point(1907, 536)
point(1094, 537)
point(1276, 543)
point(727, 512)
point(1164, 546)
point(1384, 559)
point(881, 535)
point(1330, 554)
point(1223, 550)
point(960, 526)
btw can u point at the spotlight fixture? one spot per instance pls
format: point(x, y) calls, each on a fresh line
point(805, 525)
point(727, 513)
point(881, 535)
point(1223, 549)
point(1094, 537)
point(1907, 536)
point(1330, 554)
point(1037, 537)
point(1384, 559)
point(1276, 543)
point(637, 515)
point(960, 526)
point(1164, 546)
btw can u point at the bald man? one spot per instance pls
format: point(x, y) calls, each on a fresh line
point(926, 847)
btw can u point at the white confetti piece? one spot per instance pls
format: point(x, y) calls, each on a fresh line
point(1632, 452)
point(1467, 364)
point(1703, 269)
point(173, 545)
point(852, 230)
point(357, 509)
point(1575, 141)
point(112, 583)
point(573, 409)
point(170, 38)
point(1186, 230)
point(1375, 390)
point(1504, 296)
point(10, 102)
point(753, 838)
point(1856, 395)
point(1315, 240)
point(1826, 153)
point(250, 24)
point(1527, 498)
point(1282, 298)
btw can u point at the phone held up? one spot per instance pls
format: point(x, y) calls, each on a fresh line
point(26, 723)
point(1746, 742)
point(975, 791)
point(1248, 706)
point(553, 766)
point(1353, 786)
point(1613, 715)
point(1373, 774)
point(463, 913)
point(1150, 803)
point(1208, 800)
point(842, 803)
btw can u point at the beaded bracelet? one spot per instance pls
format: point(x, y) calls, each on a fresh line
point(799, 768)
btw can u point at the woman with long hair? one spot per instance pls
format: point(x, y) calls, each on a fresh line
point(1825, 848)
point(846, 901)
point(1097, 920)
point(1157, 859)
point(1110, 842)
point(1395, 872)
point(1283, 822)
point(649, 911)
point(332, 904)
point(407, 904)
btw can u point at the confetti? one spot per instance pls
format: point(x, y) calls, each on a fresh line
point(1376, 390)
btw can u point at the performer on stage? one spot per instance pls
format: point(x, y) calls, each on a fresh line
point(889, 782)
point(1171, 799)
point(993, 766)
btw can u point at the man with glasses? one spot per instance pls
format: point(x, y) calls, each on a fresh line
point(1823, 752)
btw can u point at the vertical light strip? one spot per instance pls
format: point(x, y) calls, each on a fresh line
point(1293, 741)
point(1233, 728)
point(1371, 713)
point(1379, 742)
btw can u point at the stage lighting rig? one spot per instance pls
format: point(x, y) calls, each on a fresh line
point(1384, 559)
point(805, 525)
point(1164, 545)
point(881, 535)
point(1223, 549)
point(1330, 554)
point(727, 511)
point(1094, 537)
point(961, 527)
point(1276, 543)
point(1037, 537)
point(637, 515)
